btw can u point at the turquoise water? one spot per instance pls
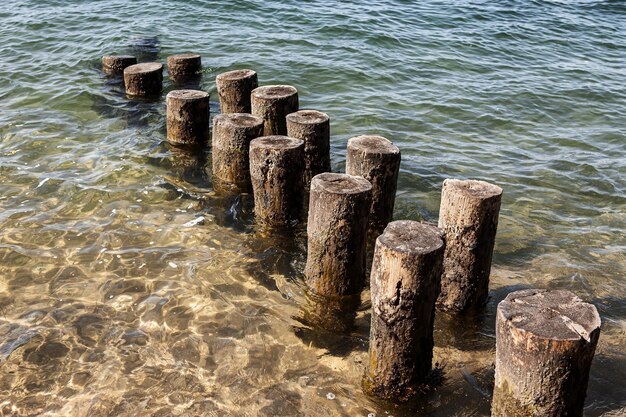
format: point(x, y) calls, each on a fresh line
point(113, 303)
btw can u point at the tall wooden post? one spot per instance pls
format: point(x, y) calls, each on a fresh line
point(144, 80)
point(469, 217)
point(273, 103)
point(187, 117)
point(545, 342)
point(313, 127)
point(404, 283)
point(115, 64)
point(276, 167)
point(234, 89)
point(336, 230)
point(232, 134)
point(377, 160)
point(184, 66)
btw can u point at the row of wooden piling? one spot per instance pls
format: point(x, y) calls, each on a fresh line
point(262, 141)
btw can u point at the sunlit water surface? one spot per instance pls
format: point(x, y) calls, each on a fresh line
point(128, 287)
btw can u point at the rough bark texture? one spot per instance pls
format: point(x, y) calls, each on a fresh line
point(187, 116)
point(184, 66)
point(234, 89)
point(336, 230)
point(313, 127)
point(377, 160)
point(273, 103)
point(144, 79)
point(545, 342)
point(404, 284)
point(232, 134)
point(469, 217)
point(115, 64)
point(276, 166)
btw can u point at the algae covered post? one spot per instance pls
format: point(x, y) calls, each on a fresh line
point(144, 80)
point(273, 103)
point(187, 117)
point(232, 134)
point(276, 167)
point(234, 89)
point(468, 216)
point(313, 127)
point(545, 342)
point(404, 283)
point(336, 231)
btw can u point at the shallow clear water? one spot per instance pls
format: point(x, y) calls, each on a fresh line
point(113, 303)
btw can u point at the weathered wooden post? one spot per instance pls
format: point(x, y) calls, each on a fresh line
point(184, 66)
point(144, 80)
point(545, 342)
point(468, 216)
point(377, 160)
point(232, 134)
point(337, 227)
point(273, 103)
point(115, 64)
point(404, 283)
point(234, 89)
point(276, 167)
point(187, 117)
point(313, 127)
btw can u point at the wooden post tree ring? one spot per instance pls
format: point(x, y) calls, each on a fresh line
point(183, 66)
point(468, 216)
point(404, 283)
point(377, 160)
point(144, 80)
point(187, 117)
point(115, 64)
point(337, 228)
point(313, 127)
point(276, 167)
point(273, 103)
point(234, 89)
point(545, 342)
point(232, 134)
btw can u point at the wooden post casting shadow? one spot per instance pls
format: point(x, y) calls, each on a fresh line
point(183, 67)
point(187, 117)
point(115, 64)
point(313, 127)
point(273, 103)
point(144, 80)
point(234, 89)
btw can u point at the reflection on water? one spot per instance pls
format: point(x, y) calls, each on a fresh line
point(132, 285)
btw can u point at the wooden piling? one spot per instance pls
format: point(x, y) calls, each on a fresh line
point(144, 80)
point(545, 342)
point(276, 168)
point(377, 160)
point(336, 230)
point(273, 103)
point(115, 64)
point(187, 117)
point(404, 284)
point(232, 134)
point(234, 89)
point(313, 127)
point(468, 216)
point(184, 66)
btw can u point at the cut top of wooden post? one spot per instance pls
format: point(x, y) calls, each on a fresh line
point(372, 144)
point(275, 143)
point(274, 92)
point(187, 95)
point(411, 237)
point(237, 120)
point(333, 183)
point(550, 315)
point(236, 75)
point(308, 117)
point(474, 190)
point(144, 67)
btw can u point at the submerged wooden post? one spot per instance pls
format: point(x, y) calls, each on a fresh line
point(545, 342)
point(336, 230)
point(404, 283)
point(115, 64)
point(184, 66)
point(276, 166)
point(468, 216)
point(234, 89)
point(144, 80)
point(232, 134)
point(313, 127)
point(377, 160)
point(273, 103)
point(187, 116)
